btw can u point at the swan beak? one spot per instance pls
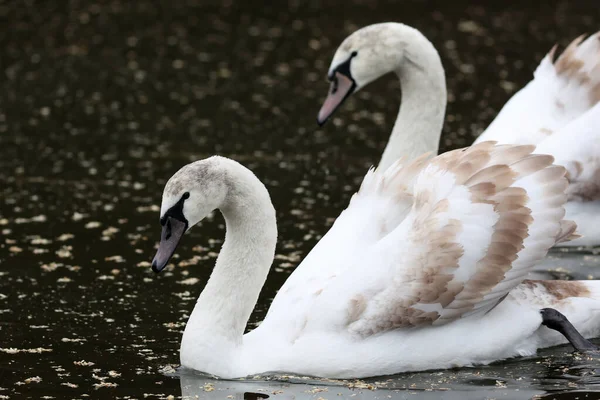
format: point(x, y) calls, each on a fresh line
point(341, 88)
point(171, 234)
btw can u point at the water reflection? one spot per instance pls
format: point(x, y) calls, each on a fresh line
point(553, 373)
point(196, 388)
point(570, 263)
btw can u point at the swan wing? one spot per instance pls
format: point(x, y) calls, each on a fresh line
point(480, 219)
point(560, 92)
point(373, 212)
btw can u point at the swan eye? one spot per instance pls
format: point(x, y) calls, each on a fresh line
point(176, 212)
point(354, 54)
point(334, 85)
point(168, 232)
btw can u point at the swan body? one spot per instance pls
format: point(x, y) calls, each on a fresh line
point(559, 110)
point(425, 269)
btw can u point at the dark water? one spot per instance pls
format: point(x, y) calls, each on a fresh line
point(101, 102)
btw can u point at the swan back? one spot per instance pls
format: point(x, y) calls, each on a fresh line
point(561, 91)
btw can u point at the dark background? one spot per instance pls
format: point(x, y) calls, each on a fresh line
point(101, 102)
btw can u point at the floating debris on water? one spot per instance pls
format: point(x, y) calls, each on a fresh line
point(13, 350)
point(189, 281)
point(65, 236)
point(83, 363)
point(35, 379)
point(104, 385)
point(209, 387)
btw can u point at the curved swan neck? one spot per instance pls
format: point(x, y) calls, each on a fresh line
point(418, 127)
point(224, 306)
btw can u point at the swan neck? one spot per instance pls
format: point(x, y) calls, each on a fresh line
point(418, 127)
point(223, 309)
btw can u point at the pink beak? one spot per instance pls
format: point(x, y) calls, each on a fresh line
point(339, 90)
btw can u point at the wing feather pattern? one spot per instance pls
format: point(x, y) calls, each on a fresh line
point(480, 219)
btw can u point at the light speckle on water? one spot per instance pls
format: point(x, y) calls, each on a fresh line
point(102, 102)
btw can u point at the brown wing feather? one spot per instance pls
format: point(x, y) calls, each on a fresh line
point(428, 292)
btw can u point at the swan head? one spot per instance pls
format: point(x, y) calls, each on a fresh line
point(189, 196)
point(364, 56)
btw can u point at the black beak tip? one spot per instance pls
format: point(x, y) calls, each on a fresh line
point(155, 267)
point(321, 122)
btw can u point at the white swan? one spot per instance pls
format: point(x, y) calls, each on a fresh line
point(559, 110)
point(423, 270)
point(376, 50)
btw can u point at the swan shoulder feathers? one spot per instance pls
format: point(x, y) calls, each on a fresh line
point(427, 242)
